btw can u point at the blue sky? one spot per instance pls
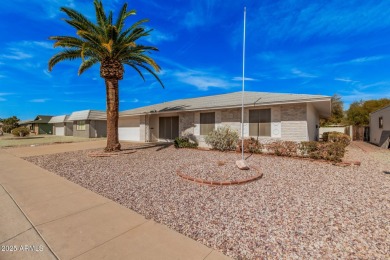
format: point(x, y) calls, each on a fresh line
point(310, 47)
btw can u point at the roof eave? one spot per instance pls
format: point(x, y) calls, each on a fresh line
point(230, 107)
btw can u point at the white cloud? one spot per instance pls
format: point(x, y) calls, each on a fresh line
point(43, 44)
point(347, 80)
point(247, 79)
point(376, 84)
point(303, 20)
point(16, 54)
point(47, 73)
point(367, 59)
point(157, 37)
point(192, 19)
point(302, 74)
point(203, 81)
point(134, 100)
point(344, 80)
point(39, 100)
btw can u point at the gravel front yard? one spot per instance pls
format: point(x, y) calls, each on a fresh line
point(299, 209)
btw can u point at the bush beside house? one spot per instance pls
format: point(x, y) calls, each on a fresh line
point(333, 149)
point(184, 142)
point(223, 139)
point(21, 131)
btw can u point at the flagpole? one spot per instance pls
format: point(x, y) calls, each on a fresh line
point(243, 90)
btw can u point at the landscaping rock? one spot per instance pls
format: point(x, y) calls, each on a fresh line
point(241, 164)
point(300, 209)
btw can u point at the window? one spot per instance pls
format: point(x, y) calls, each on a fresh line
point(260, 122)
point(381, 122)
point(207, 123)
point(80, 126)
point(168, 127)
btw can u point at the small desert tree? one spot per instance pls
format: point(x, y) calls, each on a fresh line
point(9, 123)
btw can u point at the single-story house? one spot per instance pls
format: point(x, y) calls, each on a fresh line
point(380, 127)
point(268, 116)
point(89, 123)
point(61, 125)
point(40, 125)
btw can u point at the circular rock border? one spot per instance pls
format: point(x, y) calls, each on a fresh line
point(219, 183)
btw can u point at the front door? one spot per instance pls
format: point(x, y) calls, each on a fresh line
point(168, 127)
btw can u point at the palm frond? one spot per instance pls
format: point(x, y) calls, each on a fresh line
point(86, 64)
point(135, 68)
point(104, 41)
point(151, 72)
point(101, 17)
point(64, 55)
point(130, 29)
point(66, 41)
point(79, 19)
point(123, 14)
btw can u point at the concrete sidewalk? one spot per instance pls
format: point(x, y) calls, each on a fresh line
point(44, 216)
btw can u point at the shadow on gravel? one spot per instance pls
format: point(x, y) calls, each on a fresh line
point(386, 172)
point(22, 138)
point(159, 146)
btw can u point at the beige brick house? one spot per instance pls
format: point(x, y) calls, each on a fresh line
point(380, 127)
point(268, 116)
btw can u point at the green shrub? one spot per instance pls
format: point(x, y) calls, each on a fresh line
point(283, 148)
point(251, 145)
point(20, 131)
point(222, 139)
point(308, 148)
point(331, 151)
point(336, 137)
point(325, 136)
point(8, 128)
point(184, 142)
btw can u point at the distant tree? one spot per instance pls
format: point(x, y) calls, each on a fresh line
point(359, 111)
point(356, 114)
point(337, 112)
point(9, 124)
point(113, 46)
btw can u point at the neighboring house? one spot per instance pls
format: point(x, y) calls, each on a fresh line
point(380, 127)
point(26, 123)
point(269, 116)
point(61, 125)
point(40, 125)
point(89, 123)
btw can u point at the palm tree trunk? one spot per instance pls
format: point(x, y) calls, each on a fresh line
point(112, 94)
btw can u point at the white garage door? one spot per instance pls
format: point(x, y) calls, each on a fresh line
point(60, 130)
point(129, 129)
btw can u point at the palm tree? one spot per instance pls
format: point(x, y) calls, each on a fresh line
point(111, 45)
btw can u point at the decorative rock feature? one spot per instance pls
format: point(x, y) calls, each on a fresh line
point(219, 183)
point(241, 164)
